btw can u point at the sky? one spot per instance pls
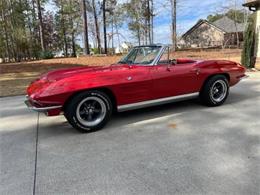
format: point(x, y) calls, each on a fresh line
point(188, 13)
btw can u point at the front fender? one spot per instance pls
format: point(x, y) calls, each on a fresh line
point(60, 91)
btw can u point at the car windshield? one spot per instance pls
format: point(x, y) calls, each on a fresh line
point(141, 55)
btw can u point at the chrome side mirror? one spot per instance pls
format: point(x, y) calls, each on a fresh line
point(173, 61)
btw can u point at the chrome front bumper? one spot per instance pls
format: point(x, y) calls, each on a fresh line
point(39, 109)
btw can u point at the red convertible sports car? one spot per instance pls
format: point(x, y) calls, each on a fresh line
point(146, 76)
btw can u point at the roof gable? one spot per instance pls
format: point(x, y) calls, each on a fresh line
point(198, 24)
point(225, 24)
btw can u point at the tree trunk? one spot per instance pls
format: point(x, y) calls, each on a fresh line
point(64, 31)
point(112, 36)
point(149, 21)
point(40, 24)
point(73, 44)
point(96, 26)
point(237, 33)
point(6, 36)
point(65, 42)
point(74, 54)
point(85, 26)
point(152, 22)
point(139, 36)
point(138, 22)
point(13, 47)
point(104, 26)
point(174, 20)
point(118, 37)
point(11, 27)
point(35, 30)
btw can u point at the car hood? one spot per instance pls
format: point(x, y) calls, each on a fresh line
point(57, 75)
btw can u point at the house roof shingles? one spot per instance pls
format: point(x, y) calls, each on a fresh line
point(229, 25)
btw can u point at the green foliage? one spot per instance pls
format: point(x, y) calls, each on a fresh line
point(248, 48)
point(95, 50)
point(138, 17)
point(213, 18)
point(19, 32)
point(236, 15)
point(19, 29)
point(67, 25)
point(79, 49)
point(116, 15)
point(46, 55)
point(25, 34)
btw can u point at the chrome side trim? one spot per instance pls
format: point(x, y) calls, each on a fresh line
point(156, 102)
point(43, 109)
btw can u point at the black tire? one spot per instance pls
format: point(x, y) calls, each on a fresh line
point(77, 111)
point(209, 93)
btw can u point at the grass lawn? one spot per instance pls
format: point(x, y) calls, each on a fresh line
point(15, 77)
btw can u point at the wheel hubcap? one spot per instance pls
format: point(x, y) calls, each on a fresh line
point(218, 91)
point(91, 111)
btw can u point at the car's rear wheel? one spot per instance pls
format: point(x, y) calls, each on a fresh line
point(215, 91)
point(88, 111)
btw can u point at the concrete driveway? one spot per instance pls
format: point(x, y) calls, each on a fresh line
point(180, 148)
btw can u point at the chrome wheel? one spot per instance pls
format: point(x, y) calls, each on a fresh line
point(91, 111)
point(218, 91)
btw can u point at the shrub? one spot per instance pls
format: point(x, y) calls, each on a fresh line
point(248, 47)
point(95, 50)
point(46, 55)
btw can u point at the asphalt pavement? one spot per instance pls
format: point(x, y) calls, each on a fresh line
point(179, 148)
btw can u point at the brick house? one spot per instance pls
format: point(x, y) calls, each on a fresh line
point(222, 33)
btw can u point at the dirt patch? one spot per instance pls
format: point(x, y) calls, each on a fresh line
point(226, 54)
point(15, 77)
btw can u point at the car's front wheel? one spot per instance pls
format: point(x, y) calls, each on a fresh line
point(215, 91)
point(88, 111)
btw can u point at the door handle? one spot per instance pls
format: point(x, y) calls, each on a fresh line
point(195, 70)
point(129, 78)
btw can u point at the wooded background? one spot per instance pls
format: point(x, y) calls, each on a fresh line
point(29, 32)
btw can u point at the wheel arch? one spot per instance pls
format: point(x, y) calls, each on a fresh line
point(105, 90)
point(210, 76)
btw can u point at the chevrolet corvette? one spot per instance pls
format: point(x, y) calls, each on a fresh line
point(146, 76)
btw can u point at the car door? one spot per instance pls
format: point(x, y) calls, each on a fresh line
point(174, 79)
point(133, 84)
